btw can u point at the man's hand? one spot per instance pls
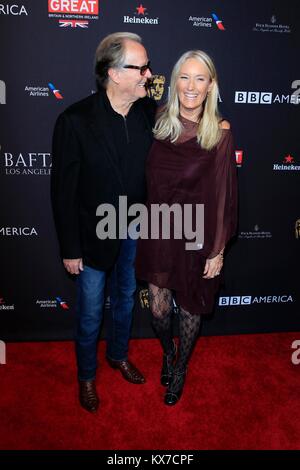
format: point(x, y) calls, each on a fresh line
point(73, 266)
point(213, 266)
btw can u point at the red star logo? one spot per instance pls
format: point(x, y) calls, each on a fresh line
point(288, 159)
point(141, 10)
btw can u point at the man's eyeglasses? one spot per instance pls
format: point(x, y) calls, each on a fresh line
point(143, 69)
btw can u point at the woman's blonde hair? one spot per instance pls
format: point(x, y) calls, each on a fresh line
point(168, 125)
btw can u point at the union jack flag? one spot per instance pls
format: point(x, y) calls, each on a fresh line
point(73, 24)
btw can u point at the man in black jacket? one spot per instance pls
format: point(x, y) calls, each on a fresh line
point(99, 150)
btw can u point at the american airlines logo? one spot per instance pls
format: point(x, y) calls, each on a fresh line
point(250, 300)
point(53, 303)
point(42, 91)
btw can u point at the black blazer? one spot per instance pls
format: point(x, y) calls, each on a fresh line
point(85, 173)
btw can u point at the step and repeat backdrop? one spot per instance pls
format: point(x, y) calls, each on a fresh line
point(46, 63)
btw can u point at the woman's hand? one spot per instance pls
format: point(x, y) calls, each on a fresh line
point(213, 266)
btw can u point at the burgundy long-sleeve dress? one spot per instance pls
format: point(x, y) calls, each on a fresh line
point(184, 173)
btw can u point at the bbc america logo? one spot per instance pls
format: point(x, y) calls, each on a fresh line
point(237, 300)
point(266, 97)
point(248, 300)
point(255, 97)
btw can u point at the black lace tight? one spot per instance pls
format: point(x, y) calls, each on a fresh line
point(189, 325)
point(161, 308)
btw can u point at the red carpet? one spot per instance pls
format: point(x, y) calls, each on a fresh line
point(242, 392)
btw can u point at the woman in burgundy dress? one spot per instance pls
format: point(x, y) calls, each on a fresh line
point(191, 162)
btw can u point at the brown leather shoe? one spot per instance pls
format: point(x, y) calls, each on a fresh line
point(128, 370)
point(88, 397)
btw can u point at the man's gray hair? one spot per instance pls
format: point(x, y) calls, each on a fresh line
point(111, 53)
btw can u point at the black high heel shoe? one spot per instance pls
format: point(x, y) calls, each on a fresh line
point(175, 388)
point(167, 366)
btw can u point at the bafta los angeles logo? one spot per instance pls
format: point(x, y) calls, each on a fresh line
point(156, 87)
